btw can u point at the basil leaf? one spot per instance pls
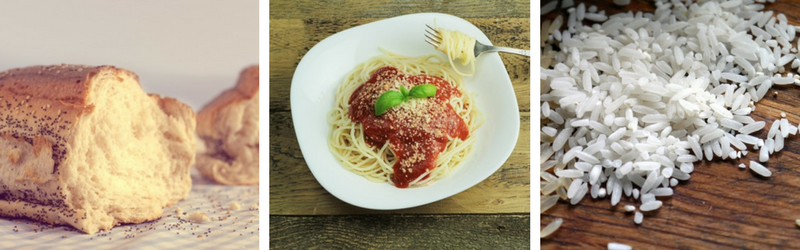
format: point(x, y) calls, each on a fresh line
point(393, 98)
point(387, 100)
point(423, 91)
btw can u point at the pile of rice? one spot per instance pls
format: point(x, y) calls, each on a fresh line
point(631, 101)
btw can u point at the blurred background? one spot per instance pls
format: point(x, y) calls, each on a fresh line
point(187, 49)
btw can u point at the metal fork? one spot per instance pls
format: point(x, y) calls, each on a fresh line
point(435, 39)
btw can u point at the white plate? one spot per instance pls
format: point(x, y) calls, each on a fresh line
point(323, 68)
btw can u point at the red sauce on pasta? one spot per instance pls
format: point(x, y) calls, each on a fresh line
point(417, 130)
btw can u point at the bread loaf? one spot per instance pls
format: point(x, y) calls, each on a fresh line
point(228, 127)
point(87, 147)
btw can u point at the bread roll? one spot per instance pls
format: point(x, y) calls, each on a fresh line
point(87, 147)
point(228, 126)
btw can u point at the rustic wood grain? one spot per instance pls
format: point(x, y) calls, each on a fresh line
point(492, 214)
point(294, 191)
point(290, 39)
point(720, 207)
point(389, 8)
point(296, 26)
point(400, 232)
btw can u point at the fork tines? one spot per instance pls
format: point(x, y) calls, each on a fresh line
point(434, 38)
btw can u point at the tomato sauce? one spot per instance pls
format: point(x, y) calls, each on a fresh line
point(417, 130)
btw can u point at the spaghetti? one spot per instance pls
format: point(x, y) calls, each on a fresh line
point(414, 143)
point(458, 46)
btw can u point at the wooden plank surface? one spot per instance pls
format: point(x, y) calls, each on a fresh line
point(400, 232)
point(388, 8)
point(492, 214)
point(294, 191)
point(720, 207)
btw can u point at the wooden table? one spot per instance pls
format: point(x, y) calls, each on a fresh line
point(720, 207)
point(492, 214)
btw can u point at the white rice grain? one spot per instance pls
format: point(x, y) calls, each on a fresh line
point(616, 194)
point(645, 198)
point(774, 129)
point(752, 127)
point(570, 155)
point(581, 193)
point(587, 157)
point(597, 17)
point(646, 165)
point(650, 206)
point(748, 139)
point(733, 77)
point(550, 187)
point(594, 175)
point(638, 217)
point(548, 7)
point(581, 11)
point(760, 169)
point(552, 227)
point(778, 144)
point(630, 208)
point(562, 137)
point(548, 203)
point(650, 182)
point(569, 173)
point(712, 135)
point(667, 172)
point(574, 188)
point(785, 128)
point(545, 109)
point(782, 80)
point(614, 245)
point(665, 191)
point(549, 131)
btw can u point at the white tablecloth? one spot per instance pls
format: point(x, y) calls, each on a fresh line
point(226, 230)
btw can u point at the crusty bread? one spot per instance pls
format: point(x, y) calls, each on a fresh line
point(228, 126)
point(87, 147)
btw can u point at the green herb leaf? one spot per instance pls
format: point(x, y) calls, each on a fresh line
point(423, 91)
point(393, 98)
point(388, 100)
